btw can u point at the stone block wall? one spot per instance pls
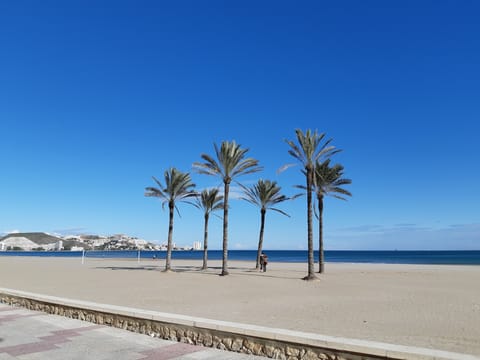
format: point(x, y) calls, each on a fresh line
point(191, 334)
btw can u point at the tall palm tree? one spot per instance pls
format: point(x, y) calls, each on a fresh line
point(209, 201)
point(178, 187)
point(230, 164)
point(311, 148)
point(327, 181)
point(265, 194)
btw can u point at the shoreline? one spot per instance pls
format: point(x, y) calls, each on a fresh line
point(432, 306)
point(474, 261)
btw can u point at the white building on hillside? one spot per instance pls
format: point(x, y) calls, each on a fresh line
point(140, 243)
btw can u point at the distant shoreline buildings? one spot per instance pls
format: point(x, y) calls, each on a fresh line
point(40, 241)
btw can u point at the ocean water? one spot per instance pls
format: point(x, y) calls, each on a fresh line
point(384, 257)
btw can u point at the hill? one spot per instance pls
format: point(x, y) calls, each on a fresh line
point(39, 238)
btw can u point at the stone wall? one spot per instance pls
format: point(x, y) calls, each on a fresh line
point(223, 340)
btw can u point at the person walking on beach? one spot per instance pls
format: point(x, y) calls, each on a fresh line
point(263, 262)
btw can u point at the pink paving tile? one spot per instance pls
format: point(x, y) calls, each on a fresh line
point(170, 351)
point(29, 348)
point(9, 308)
point(76, 331)
point(58, 336)
point(47, 342)
point(12, 317)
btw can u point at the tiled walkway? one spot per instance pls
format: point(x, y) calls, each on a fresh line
point(29, 335)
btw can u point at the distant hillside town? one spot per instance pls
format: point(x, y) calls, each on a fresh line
point(40, 241)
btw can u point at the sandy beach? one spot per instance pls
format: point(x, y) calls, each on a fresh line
point(429, 306)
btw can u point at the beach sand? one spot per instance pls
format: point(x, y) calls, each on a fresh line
point(430, 306)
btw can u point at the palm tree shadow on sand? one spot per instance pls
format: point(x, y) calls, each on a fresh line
point(197, 270)
point(146, 268)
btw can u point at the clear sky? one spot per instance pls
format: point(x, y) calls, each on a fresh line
point(98, 96)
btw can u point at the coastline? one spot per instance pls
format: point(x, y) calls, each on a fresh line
point(432, 306)
point(433, 257)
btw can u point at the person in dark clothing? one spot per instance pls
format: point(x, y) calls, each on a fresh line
point(263, 262)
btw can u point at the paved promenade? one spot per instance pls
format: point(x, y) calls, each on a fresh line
point(29, 335)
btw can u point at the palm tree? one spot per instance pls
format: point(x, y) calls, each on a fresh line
point(311, 148)
point(230, 164)
point(327, 181)
point(209, 200)
point(178, 187)
point(265, 194)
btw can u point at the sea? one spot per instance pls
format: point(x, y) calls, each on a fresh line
point(470, 257)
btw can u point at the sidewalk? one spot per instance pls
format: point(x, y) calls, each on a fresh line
point(29, 335)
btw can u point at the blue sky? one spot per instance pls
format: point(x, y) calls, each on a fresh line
point(98, 96)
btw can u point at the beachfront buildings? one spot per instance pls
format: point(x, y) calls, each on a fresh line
point(39, 241)
point(30, 241)
point(46, 242)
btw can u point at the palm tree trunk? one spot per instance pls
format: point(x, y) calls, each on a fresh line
point(321, 258)
point(171, 207)
point(311, 263)
point(205, 243)
point(260, 238)
point(225, 229)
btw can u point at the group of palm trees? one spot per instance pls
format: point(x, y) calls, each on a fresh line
point(310, 149)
